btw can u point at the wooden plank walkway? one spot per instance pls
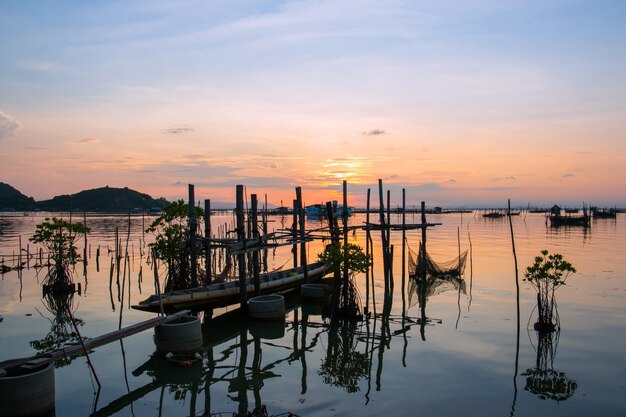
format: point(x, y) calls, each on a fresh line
point(77, 349)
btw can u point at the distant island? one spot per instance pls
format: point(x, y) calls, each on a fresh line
point(104, 199)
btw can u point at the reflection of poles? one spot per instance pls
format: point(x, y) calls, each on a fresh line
point(256, 373)
point(242, 394)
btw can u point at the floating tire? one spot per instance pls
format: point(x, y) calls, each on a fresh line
point(27, 393)
point(314, 291)
point(183, 335)
point(267, 307)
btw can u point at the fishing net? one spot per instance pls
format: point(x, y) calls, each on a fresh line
point(429, 278)
point(422, 264)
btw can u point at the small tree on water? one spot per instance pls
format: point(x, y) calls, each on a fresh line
point(548, 273)
point(59, 236)
point(345, 297)
point(171, 243)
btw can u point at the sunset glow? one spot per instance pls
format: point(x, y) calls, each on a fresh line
point(460, 103)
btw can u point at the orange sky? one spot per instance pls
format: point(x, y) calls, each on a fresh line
point(459, 104)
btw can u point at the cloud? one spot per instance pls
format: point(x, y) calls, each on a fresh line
point(82, 142)
point(8, 126)
point(177, 130)
point(374, 132)
point(511, 178)
point(569, 174)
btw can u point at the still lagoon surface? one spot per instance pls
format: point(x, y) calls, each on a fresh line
point(462, 357)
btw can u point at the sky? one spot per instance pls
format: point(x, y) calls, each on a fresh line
point(460, 103)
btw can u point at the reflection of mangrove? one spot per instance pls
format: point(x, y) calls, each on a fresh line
point(62, 331)
point(542, 379)
point(343, 365)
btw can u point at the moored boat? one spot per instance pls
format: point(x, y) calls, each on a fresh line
point(227, 293)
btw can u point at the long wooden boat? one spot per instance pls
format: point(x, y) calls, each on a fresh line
point(224, 294)
point(569, 220)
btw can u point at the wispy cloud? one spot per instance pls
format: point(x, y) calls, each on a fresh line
point(374, 132)
point(177, 130)
point(8, 126)
point(82, 142)
point(568, 175)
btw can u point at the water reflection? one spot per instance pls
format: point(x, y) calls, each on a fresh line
point(543, 379)
point(63, 325)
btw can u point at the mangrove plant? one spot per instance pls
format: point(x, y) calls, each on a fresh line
point(346, 261)
point(171, 244)
point(548, 273)
point(59, 237)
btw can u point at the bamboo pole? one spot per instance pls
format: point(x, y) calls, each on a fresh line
point(241, 258)
point(255, 235)
point(303, 260)
point(367, 253)
point(207, 243)
point(193, 224)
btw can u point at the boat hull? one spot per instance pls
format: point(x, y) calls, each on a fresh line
point(222, 295)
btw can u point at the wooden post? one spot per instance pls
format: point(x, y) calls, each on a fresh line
point(423, 211)
point(344, 219)
point(403, 248)
point(207, 243)
point(241, 258)
point(367, 252)
point(303, 261)
point(255, 236)
point(294, 233)
point(383, 232)
point(389, 252)
point(193, 224)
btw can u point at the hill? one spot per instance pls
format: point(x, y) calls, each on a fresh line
point(107, 199)
point(10, 198)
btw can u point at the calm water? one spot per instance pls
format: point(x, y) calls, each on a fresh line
point(460, 361)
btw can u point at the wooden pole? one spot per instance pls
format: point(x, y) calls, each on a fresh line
point(255, 236)
point(303, 261)
point(294, 233)
point(403, 249)
point(193, 225)
point(344, 219)
point(383, 233)
point(389, 253)
point(367, 252)
point(207, 243)
point(241, 258)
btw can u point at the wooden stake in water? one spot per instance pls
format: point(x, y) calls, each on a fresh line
point(207, 243)
point(255, 235)
point(303, 261)
point(241, 258)
point(193, 225)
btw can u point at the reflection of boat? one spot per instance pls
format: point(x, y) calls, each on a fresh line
point(223, 294)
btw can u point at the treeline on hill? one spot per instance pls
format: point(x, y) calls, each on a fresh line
point(104, 199)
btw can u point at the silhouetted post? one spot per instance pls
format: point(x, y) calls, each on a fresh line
point(207, 243)
point(255, 237)
point(241, 258)
point(303, 260)
point(344, 219)
point(193, 224)
point(383, 233)
point(423, 211)
point(390, 251)
point(367, 252)
point(294, 233)
point(403, 248)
